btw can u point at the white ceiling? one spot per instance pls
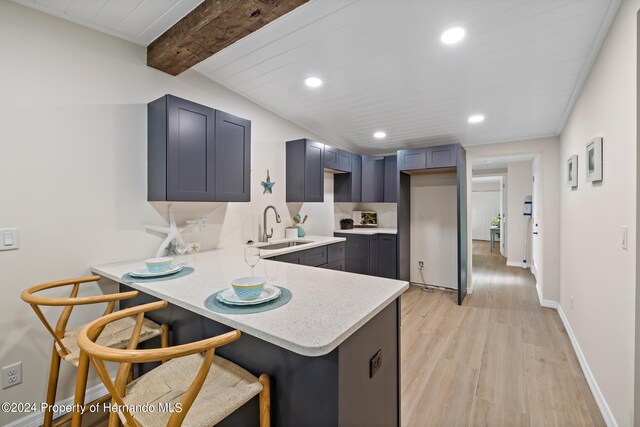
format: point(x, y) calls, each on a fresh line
point(384, 68)
point(138, 21)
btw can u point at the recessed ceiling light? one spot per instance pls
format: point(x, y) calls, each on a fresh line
point(452, 35)
point(313, 82)
point(379, 134)
point(478, 118)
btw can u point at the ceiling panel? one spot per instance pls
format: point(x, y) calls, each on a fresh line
point(138, 21)
point(384, 67)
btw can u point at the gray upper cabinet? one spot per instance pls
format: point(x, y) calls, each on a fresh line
point(196, 153)
point(391, 179)
point(305, 171)
point(181, 150)
point(412, 159)
point(441, 156)
point(337, 159)
point(233, 158)
point(347, 187)
point(372, 179)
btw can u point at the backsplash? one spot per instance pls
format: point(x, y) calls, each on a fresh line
point(387, 213)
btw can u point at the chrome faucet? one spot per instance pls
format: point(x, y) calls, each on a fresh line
point(265, 236)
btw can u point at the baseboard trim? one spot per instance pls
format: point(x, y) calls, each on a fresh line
point(35, 419)
point(549, 304)
point(516, 264)
point(609, 419)
point(545, 302)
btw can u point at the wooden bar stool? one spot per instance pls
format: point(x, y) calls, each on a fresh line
point(65, 342)
point(192, 388)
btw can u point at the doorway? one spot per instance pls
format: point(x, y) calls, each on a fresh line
point(487, 200)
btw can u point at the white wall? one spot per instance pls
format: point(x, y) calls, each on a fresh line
point(546, 160)
point(434, 229)
point(73, 149)
point(595, 271)
point(519, 186)
point(486, 186)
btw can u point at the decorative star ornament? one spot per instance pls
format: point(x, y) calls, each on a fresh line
point(268, 184)
point(172, 232)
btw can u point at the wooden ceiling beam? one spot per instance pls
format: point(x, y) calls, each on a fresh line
point(209, 28)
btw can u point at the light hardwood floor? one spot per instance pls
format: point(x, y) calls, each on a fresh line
point(499, 360)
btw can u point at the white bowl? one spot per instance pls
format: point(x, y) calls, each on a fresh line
point(158, 265)
point(248, 288)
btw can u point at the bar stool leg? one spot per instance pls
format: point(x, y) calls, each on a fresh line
point(265, 401)
point(81, 387)
point(52, 386)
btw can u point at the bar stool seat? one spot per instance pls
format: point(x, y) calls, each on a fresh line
point(65, 342)
point(226, 388)
point(114, 335)
point(192, 386)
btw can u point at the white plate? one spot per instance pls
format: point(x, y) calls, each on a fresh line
point(144, 272)
point(228, 296)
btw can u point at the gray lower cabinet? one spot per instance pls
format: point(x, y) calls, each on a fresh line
point(387, 256)
point(347, 187)
point(196, 153)
point(335, 265)
point(357, 253)
point(305, 171)
point(374, 255)
point(315, 257)
point(331, 257)
point(372, 179)
point(292, 258)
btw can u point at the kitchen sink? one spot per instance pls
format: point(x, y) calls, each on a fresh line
point(284, 245)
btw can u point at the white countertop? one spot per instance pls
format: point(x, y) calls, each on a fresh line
point(326, 308)
point(316, 241)
point(369, 231)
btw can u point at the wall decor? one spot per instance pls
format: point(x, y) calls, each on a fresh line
point(572, 171)
point(268, 184)
point(172, 232)
point(594, 160)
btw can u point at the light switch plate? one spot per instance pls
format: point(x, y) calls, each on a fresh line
point(8, 239)
point(625, 236)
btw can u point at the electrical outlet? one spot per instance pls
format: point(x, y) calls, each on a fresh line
point(375, 363)
point(204, 225)
point(11, 375)
point(420, 265)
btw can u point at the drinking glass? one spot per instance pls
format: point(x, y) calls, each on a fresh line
point(251, 256)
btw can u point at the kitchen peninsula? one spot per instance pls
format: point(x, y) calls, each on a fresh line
point(320, 348)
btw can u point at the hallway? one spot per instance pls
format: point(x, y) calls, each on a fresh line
point(500, 359)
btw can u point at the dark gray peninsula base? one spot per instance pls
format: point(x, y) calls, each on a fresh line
point(356, 384)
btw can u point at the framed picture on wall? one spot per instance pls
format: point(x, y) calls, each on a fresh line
point(594, 160)
point(572, 171)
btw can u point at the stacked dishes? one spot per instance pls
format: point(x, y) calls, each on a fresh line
point(248, 291)
point(157, 267)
